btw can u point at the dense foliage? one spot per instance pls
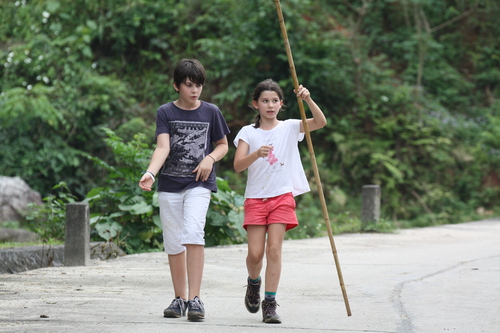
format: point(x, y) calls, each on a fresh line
point(128, 216)
point(410, 89)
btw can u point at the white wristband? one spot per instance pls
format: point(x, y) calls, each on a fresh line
point(151, 174)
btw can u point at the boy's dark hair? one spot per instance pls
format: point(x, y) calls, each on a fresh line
point(190, 69)
point(266, 85)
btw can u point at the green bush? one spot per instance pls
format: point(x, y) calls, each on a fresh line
point(49, 220)
point(225, 217)
point(122, 212)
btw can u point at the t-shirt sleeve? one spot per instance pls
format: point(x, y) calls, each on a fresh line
point(243, 135)
point(219, 126)
point(162, 125)
point(295, 125)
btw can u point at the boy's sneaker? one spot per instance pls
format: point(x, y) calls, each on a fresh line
point(252, 296)
point(269, 314)
point(176, 309)
point(195, 309)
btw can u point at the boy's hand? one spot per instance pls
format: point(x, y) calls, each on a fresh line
point(146, 182)
point(204, 169)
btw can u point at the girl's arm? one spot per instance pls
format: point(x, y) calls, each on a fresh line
point(159, 156)
point(242, 159)
point(205, 167)
point(318, 120)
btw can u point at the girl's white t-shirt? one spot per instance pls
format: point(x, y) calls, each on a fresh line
point(281, 171)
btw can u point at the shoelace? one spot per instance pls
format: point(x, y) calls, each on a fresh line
point(271, 308)
point(253, 290)
point(177, 303)
point(195, 304)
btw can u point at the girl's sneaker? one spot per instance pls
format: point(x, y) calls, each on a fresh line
point(176, 309)
point(269, 314)
point(252, 296)
point(196, 311)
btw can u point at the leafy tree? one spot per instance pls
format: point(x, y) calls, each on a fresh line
point(409, 87)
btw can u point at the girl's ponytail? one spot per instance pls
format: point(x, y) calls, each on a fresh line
point(256, 120)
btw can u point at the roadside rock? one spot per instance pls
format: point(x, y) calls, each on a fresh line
point(17, 235)
point(105, 251)
point(15, 195)
point(21, 259)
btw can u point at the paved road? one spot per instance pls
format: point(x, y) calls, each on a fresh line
point(437, 279)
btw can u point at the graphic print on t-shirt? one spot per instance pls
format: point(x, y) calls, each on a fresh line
point(188, 142)
point(272, 158)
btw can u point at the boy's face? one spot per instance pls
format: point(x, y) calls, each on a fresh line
point(189, 92)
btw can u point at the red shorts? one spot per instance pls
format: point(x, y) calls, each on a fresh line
point(280, 209)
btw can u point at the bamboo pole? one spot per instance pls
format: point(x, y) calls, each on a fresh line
point(311, 153)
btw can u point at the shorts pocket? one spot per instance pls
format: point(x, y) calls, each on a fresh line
point(290, 201)
point(249, 203)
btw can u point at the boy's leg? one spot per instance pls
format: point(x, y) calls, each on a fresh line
point(172, 221)
point(196, 202)
point(195, 264)
point(172, 217)
point(177, 263)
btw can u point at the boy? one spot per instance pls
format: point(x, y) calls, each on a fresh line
point(186, 130)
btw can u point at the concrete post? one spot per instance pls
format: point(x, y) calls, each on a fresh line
point(370, 207)
point(77, 239)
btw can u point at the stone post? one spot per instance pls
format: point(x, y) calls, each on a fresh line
point(77, 239)
point(370, 207)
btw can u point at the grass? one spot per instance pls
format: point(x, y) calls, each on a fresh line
point(8, 245)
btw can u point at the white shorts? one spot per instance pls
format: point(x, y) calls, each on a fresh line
point(183, 217)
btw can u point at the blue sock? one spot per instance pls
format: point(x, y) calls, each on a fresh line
point(257, 280)
point(270, 296)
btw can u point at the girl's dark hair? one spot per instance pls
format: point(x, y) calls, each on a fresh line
point(266, 85)
point(190, 69)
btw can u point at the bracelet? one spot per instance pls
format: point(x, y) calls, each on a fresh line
point(151, 174)
point(212, 157)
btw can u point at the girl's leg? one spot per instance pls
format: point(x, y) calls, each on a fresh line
point(256, 235)
point(275, 236)
point(195, 263)
point(177, 263)
point(256, 245)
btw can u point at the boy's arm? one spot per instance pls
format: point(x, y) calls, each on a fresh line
point(221, 148)
point(205, 167)
point(159, 156)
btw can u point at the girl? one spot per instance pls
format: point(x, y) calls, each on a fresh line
point(269, 150)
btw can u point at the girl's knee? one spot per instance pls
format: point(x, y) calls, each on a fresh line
point(273, 253)
point(255, 257)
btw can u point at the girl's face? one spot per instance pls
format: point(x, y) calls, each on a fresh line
point(189, 92)
point(268, 104)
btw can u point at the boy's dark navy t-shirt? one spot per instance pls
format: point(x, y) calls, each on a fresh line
point(192, 133)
